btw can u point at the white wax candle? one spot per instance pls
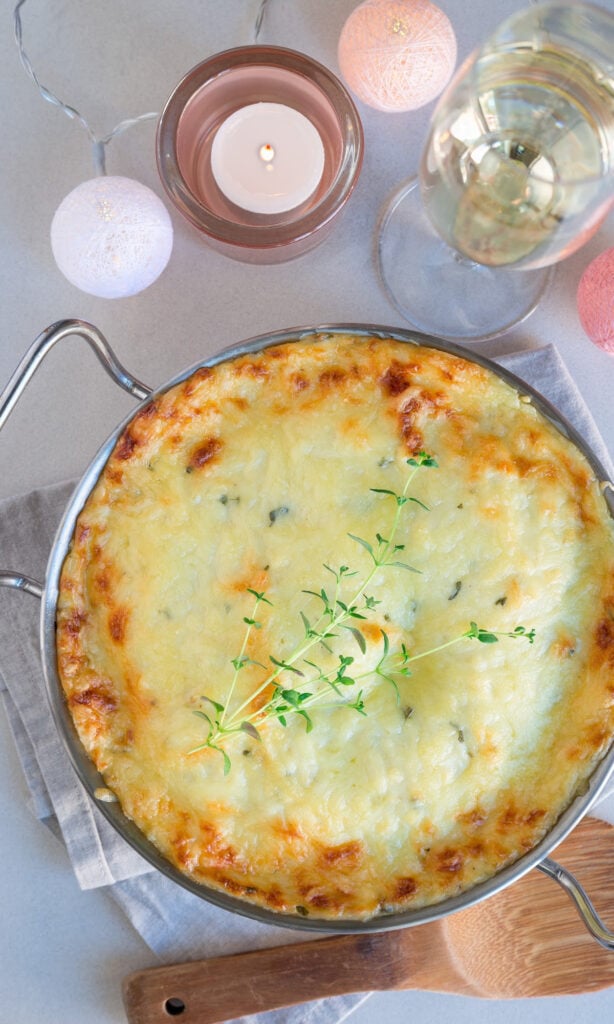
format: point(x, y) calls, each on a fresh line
point(267, 158)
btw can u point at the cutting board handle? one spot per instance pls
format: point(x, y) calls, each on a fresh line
point(222, 988)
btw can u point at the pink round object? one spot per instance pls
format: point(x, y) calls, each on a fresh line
point(596, 300)
point(397, 55)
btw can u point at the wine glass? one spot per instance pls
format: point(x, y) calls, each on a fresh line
point(516, 174)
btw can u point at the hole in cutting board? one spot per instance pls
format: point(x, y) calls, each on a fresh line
point(174, 1006)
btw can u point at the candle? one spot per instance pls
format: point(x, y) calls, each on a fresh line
point(260, 148)
point(267, 158)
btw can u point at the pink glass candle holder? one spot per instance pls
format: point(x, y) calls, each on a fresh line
point(228, 97)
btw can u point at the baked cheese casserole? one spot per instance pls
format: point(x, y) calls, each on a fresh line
point(337, 625)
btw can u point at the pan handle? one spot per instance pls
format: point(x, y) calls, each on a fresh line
point(581, 900)
point(17, 581)
point(45, 341)
point(26, 369)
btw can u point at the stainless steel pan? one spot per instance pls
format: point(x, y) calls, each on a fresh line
point(47, 593)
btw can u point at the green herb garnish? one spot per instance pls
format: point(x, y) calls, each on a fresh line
point(294, 684)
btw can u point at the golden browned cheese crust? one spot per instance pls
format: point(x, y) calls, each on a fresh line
point(258, 474)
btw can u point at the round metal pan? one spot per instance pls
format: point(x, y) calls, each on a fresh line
point(48, 593)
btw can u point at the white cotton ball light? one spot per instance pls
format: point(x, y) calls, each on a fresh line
point(111, 237)
point(397, 55)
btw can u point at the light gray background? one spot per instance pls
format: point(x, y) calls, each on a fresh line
point(64, 952)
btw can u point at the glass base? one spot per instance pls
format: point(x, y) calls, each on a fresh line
point(439, 291)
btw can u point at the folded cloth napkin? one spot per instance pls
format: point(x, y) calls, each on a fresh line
point(173, 922)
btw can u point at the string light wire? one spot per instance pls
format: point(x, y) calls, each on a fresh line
point(98, 144)
point(260, 19)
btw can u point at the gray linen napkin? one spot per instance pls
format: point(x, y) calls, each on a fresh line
point(174, 923)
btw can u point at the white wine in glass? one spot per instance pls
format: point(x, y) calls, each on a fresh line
point(516, 174)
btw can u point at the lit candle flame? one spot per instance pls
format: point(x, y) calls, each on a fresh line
point(266, 153)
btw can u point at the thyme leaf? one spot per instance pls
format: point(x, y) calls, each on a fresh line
point(358, 636)
point(251, 730)
point(285, 666)
point(276, 513)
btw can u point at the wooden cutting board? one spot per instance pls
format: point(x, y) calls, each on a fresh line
point(525, 941)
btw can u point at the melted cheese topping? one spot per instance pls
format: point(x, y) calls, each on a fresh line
point(254, 474)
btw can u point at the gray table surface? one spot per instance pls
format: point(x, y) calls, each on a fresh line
point(63, 951)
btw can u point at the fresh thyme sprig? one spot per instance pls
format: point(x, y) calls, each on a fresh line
point(242, 659)
point(339, 682)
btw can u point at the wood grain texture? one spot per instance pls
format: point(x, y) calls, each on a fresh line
point(526, 941)
point(529, 940)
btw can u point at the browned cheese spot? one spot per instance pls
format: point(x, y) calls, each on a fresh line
point(190, 386)
point(563, 647)
point(288, 831)
point(279, 351)
point(97, 698)
point(127, 740)
point(513, 817)
point(184, 853)
point(414, 410)
point(412, 437)
point(604, 634)
point(205, 453)
point(103, 579)
point(146, 413)
point(74, 623)
point(118, 623)
point(239, 402)
point(475, 850)
point(254, 579)
point(405, 887)
point(320, 899)
point(252, 369)
point(472, 819)
point(597, 736)
point(333, 377)
point(236, 888)
point(371, 632)
point(274, 898)
point(126, 445)
point(82, 533)
point(299, 382)
point(396, 379)
point(344, 853)
point(217, 850)
point(449, 861)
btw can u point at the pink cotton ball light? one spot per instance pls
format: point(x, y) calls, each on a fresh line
point(397, 55)
point(596, 301)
